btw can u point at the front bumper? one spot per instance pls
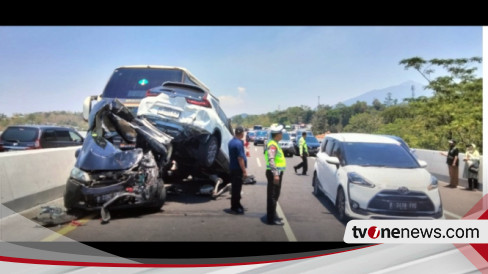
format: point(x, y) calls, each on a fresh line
point(80, 196)
point(389, 204)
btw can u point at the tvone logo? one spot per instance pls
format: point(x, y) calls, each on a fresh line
point(373, 232)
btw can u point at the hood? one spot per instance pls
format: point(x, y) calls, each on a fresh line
point(95, 157)
point(393, 178)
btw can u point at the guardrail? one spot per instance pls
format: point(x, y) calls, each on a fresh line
point(30, 178)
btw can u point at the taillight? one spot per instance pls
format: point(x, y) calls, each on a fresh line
point(37, 144)
point(203, 103)
point(150, 94)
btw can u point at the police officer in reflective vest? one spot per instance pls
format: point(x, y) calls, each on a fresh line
point(275, 166)
point(303, 149)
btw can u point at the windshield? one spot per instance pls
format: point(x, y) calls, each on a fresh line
point(134, 82)
point(378, 154)
point(261, 134)
point(286, 137)
point(20, 134)
point(251, 134)
point(311, 139)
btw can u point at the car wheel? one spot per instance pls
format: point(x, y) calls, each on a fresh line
point(160, 196)
point(315, 183)
point(208, 151)
point(341, 205)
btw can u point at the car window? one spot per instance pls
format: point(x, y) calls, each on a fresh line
point(286, 137)
point(336, 151)
point(49, 135)
point(20, 134)
point(311, 139)
point(220, 112)
point(378, 154)
point(328, 148)
point(134, 82)
point(63, 135)
point(75, 137)
point(322, 146)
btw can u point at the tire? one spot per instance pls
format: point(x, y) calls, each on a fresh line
point(208, 151)
point(160, 196)
point(341, 205)
point(315, 184)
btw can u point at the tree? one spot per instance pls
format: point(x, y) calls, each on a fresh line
point(364, 123)
point(377, 105)
point(455, 110)
point(388, 99)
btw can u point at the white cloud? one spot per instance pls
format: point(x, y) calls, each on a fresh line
point(234, 104)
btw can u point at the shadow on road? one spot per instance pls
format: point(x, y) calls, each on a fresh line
point(331, 209)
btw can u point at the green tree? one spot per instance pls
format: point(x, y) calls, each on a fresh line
point(365, 123)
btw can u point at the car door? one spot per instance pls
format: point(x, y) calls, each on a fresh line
point(63, 138)
point(320, 164)
point(48, 139)
point(330, 170)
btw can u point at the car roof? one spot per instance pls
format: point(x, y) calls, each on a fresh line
point(361, 138)
point(191, 76)
point(42, 127)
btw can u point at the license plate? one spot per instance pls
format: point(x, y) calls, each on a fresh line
point(403, 205)
point(169, 112)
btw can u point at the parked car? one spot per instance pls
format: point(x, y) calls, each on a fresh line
point(129, 84)
point(293, 136)
point(313, 144)
point(257, 127)
point(250, 136)
point(25, 137)
point(286, 144)
point(369, 176)
point(199, 127)
point(261, 137)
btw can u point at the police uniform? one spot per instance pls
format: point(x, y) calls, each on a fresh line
point(275, 166)
point(303, 148)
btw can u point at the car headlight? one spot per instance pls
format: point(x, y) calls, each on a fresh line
point(80, 175)
point(354, 178)
point(433, 183)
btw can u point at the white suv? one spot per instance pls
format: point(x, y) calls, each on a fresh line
point(374, 177)
point(200, 129)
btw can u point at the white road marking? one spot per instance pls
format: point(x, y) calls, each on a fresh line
point(452, 214)
point(259, 162)
point(255, 149)
point(289, 233)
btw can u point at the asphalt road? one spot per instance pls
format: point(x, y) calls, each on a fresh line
point(187, 216)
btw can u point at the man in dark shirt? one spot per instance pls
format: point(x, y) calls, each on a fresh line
point(452, 163)
point(238, 165)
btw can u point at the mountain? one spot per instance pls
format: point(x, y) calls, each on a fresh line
point(399, 92)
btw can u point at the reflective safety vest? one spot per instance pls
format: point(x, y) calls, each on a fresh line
point(302, 144)
point(280, 160)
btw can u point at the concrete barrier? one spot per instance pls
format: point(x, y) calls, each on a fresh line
point(30, 178)
point(438, 167)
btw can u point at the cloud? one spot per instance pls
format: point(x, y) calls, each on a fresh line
point(234, 103)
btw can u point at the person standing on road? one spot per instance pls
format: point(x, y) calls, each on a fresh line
point(471, 166)
point(237, 166)
point(303, 149)
point(275, 166)
point(452, 163)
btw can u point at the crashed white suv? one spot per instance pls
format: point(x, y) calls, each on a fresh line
point(193, 117)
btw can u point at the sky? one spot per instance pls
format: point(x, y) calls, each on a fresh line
point(250, 69)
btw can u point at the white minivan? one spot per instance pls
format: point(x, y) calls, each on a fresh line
point(373, 177)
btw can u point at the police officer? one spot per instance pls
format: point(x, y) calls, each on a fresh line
point(275, 166)
point(303, 149)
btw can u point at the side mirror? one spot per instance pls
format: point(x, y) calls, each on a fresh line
point(87, 104)
point(423, 164)
point(333, 161)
